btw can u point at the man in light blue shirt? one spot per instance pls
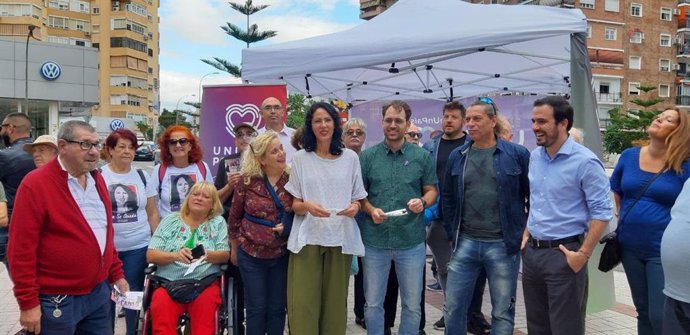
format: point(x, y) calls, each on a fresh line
point(569, 210)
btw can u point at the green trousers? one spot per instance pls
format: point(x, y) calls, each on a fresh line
point(318, 279)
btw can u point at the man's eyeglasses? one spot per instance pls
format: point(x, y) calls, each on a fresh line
point(181, 141)
point(415, 134)
point(6, 125)
point(246, 134)
point(490, 103)
point(354, 133)
point(276, 108)
point(86, 145)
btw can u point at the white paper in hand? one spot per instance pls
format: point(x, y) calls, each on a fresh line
point(194, 265)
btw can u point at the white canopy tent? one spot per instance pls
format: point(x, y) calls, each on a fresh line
point(441, 49)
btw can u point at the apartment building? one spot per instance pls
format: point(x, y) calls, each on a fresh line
point(631, 43)
point(125, 34)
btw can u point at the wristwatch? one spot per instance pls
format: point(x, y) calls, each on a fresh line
point(423, 202)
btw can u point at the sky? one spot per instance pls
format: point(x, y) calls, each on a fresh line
point(190, 31)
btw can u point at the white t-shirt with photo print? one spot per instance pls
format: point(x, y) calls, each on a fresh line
point(170, 199)
point(131, 223)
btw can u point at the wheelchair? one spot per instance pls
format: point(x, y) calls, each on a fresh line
point(225, 322)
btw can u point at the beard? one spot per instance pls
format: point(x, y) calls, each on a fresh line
point(6, 140)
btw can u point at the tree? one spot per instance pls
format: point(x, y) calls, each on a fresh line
point(167, 119)
point(145, 129)
point(626, 129)
point(250, 35)
point(297, 105)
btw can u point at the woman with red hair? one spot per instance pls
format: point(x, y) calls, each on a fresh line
point(180, 160)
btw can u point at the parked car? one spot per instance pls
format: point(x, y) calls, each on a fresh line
point(144, 153)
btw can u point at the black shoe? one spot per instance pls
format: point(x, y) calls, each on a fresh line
point(440, 324)
point(387, 331)
point(422, 332)
point(436, 287)
point(360, 322)
point(121, 313)
point(478, 325)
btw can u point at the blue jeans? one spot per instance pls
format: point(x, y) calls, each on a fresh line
point(464, 267)
point(646, 280)
point(89, 314)
point(265, 293)
point(133, 264)
point(4, 237)
point(409, 267)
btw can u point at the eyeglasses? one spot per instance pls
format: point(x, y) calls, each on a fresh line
point(86, 145)
point(354, 133)
point(415, 134)
point(246, 134)
point(488, 101)
point(276, 108)
point(6, 125)
point(181, 141)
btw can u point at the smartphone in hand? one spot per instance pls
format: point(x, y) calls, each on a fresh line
point(198, 251)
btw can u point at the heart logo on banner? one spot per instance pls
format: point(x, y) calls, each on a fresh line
point(237, 114)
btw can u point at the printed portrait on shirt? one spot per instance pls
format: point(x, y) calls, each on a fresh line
point(124, 201)
point(180, 184)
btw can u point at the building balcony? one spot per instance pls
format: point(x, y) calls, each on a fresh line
point(683, 100)
point(609, 97)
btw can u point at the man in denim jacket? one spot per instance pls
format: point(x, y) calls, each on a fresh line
point(483, 200)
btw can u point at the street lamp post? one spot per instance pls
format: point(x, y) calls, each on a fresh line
point(178, 105)
point(26, 68)
point(200, 96)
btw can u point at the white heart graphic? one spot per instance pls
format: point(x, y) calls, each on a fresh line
point(248, 113)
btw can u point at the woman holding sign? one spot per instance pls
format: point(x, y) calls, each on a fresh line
point(135, 214)
point(326, 182)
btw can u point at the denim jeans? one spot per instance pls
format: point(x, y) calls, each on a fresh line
point(88, 314)
point(646, 280)
point(409, 267)
point(265, 293)
point(4, 237)
point(133, 264)
point(464, 267)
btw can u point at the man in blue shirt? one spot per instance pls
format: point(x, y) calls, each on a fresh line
point(484, 197)
point(15, 163)
point(569, 210)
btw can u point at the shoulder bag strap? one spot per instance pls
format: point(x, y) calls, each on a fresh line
point(276, 200)
point(644, 189)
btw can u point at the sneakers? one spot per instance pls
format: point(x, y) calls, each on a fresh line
point(435, 287)
point(360, 322)
point(440, 324)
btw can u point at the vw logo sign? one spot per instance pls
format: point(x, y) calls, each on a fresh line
point(50, 70)
point(116, 124)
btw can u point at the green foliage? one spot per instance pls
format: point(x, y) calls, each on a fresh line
point(145, 129)
point(626, 128)
point(249, 35)
point(167, 119)
point(297, 105)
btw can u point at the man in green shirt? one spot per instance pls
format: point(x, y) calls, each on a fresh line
point(398, 175)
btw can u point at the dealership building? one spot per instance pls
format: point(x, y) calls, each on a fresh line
point(62, 82)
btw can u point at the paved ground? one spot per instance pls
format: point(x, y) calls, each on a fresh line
point(618, 320)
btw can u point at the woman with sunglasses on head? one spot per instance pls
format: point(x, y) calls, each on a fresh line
point(180, 155)
point(135, 216)
point(326, 183)
point(646, 182)
point(258, 233)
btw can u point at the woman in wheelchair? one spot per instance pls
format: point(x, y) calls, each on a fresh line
point(196, 234)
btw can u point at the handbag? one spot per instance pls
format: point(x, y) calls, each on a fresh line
point(613, 251)
point(185, 291)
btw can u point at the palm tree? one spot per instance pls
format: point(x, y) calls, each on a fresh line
point(250, 35)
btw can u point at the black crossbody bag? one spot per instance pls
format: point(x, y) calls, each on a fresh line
point(611, 255)
point(185, 291)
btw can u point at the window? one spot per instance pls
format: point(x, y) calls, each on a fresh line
point(589, 4)
point(665, 40)
point(80, 43)
point(664, 91)
point(59, 4)
point(19, 10)
point(604, 88)
point(635, 62)
point(589, 31)
point(96, 10)
point(57, 22)
point(633, 89)
point(83, 7)
point(611, 5)
point(636, 9)
point(636, 37)
point(123, 42)
point(610, 34)
point(136, 9)
point(56, 39)
point(666, 14)
point(664, 65)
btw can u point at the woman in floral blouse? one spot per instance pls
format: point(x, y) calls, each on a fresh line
point(257, 236)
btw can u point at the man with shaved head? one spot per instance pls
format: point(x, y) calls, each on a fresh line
point(272, 112)
point(15, 163)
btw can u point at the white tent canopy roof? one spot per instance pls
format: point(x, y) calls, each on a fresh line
point(435, 45)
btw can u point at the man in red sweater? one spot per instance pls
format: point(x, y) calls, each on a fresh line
point(61, 248)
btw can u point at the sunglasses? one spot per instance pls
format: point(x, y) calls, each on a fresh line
point(490, 103)
point(415, 134)
point(354, 133)
point(181, 141)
